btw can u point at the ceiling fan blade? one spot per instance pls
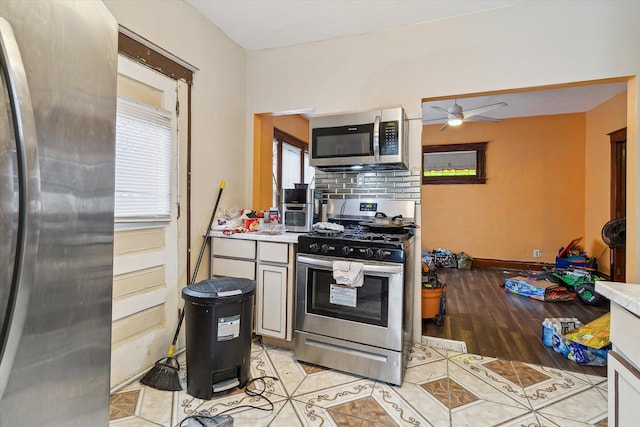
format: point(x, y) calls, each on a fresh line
point(444, 127)
point(440, 109)
point(479, 110)
point(481, 119)
point(441, 120)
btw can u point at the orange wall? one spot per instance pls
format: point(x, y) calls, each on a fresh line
point(601, 121)
point(534, 197)
point(263, 125)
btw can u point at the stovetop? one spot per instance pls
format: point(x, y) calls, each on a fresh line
point(356, 243)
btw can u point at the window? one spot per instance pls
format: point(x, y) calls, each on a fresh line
point(143, 162)
point(290, 163)
point(454, 163)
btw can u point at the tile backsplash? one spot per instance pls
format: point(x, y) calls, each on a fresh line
point(401, 185)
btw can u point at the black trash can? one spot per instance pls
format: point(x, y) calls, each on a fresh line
point(219, 319)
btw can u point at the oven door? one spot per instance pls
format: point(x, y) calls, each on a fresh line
point(371, 314)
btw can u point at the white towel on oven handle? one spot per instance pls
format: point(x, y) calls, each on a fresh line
point(348, 273)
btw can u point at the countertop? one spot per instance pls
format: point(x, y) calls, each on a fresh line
point(286, 237)
point(626, 295)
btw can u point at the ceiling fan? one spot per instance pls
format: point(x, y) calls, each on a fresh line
point(456, 115)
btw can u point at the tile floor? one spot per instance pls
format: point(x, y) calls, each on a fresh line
point(441, 388)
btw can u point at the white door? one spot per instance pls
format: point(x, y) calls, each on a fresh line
point(146, 242)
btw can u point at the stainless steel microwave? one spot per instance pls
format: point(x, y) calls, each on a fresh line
point(372, 140)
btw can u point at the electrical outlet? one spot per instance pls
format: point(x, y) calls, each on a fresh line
point(360, 180)
point(536, 253)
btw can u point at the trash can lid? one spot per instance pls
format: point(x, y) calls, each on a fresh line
point(219, 287)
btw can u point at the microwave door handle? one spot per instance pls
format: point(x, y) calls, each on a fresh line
point(376, 138)
point(28, 205)
point(368, 268)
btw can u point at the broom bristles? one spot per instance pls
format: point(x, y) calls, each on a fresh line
point(163, 375)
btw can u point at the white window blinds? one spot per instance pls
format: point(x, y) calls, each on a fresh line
point(290, 165)
point(143, 162)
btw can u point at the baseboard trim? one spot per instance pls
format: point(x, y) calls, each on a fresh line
point(510, 265)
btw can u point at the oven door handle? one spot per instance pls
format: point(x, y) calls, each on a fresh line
point(368, 268)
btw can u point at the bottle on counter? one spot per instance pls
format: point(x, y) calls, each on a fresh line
point(274, 216)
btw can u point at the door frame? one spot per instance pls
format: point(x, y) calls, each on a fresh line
point(618, 141)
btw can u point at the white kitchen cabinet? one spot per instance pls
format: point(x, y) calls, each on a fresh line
point(274, 289)
point(623, 390)
point(233, 258)
point(271, 300)
point(272, 265)
point(623, 361)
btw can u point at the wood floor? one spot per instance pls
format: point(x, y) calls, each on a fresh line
point(499, 324)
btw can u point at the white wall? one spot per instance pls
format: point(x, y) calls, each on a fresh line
point(530, 44)
point(219, 114)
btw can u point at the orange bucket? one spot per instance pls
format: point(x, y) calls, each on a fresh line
point(431, 302)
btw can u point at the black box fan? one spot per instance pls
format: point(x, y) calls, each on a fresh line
point(614, 233)
point(614, 236)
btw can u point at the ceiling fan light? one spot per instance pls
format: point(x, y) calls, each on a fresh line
point(454, 121)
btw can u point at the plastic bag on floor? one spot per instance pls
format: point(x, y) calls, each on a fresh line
point(464, 261)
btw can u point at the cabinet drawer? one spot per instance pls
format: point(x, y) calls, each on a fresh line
point(234, 248)
point(273, 252)
point(233, 268)
point(624, 335)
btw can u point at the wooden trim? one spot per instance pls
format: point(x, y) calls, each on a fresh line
point(528, 89)
point(147, 54)
point(153, 59)
point(510, 265)
point(481, 159)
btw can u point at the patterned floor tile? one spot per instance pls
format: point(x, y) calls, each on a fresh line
point(320, 380)
point(421, 354)
point(489, 379)
point(290, 371)
point(548, 420)
point(441, 388)
point(155, 405)
point(484, 413)
point(342, 404)
point(123, 404)
point(528, 420)
point(135, 422)
point(587, 406)
point(410, 405)
point(428, 371)
point(270, 387)
point(560, 385)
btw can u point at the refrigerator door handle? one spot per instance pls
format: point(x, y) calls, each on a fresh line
point(28, 171)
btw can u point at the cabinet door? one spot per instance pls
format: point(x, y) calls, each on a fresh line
point(233, 268)
point(271, 309)
point(623, 390)
point(233, 248)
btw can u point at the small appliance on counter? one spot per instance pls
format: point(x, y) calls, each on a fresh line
point(301, 208)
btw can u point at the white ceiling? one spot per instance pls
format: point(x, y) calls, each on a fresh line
point(264, 24)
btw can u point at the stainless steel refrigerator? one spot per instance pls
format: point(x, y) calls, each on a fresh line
point(57, 143)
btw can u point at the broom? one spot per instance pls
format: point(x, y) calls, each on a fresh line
point(164, 373)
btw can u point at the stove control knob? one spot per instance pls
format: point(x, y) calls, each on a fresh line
point(380, 253)
point(314, 247)
point(346, 250)
point(369, 253)
point(325, 248)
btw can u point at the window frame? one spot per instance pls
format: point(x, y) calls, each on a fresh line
point(481, 163)
point(283, 137)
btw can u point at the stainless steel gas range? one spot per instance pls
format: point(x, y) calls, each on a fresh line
point(363, 328)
